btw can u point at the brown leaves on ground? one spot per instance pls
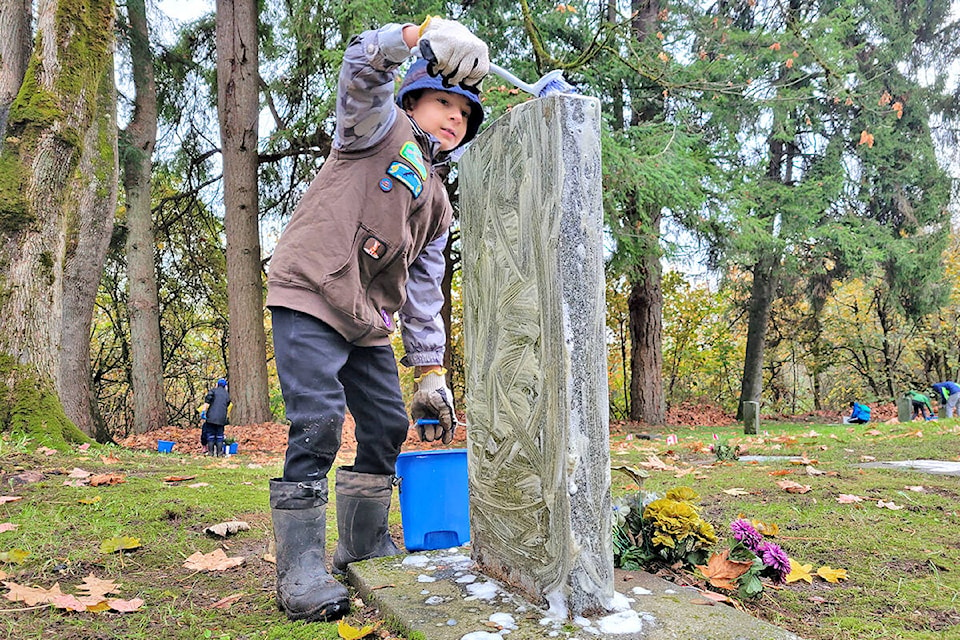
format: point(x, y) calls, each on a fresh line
point(225, 529)
point(722, 572)
point(793, 487)
point(216, 560)
point(92, 596)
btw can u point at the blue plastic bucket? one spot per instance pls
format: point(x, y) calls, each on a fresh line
point(164, 446)
point(434, 500)
point(232, 448)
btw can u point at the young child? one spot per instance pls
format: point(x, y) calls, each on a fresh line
point(214, 414)
point(365, 242)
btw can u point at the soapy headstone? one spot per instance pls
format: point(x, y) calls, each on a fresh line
point(533, 300)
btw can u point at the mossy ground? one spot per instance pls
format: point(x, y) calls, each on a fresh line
point(903, 565)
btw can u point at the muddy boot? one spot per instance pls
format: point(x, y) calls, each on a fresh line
point(363, 504)
point(305, 591)
point(211, 448)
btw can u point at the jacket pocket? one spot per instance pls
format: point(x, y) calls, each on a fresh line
point(348, 287)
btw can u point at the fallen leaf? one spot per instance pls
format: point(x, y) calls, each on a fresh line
point(47, 451)
point(216, 560)
point(867, 458)
point(107, 479)
point(781, 472)
point(7, 526)
point(68, 602)
point(14, 556)
point(918, 488)
point(97, 588)
point(769, 529)
point(799, 572)
point(813, 471)
point(832, 575)
point(110, 459)
point(224, 603)
point(873, 432)
point(6, 499)
point(226, 528)
point(27, 477)
point(31, 596)
point(721, 571)
point(125, 606)
point(793, 487)
point(349, 632)
point(119, 543)
point(846, 498)
point(178, 478)
point(84, 446)
point(79, 473)
point(197, 485)
point(93, 500)
point(736, 491)
point(865, 138)
point(888, 505)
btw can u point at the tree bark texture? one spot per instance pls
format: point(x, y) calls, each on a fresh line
point(58, 192)
point(143, 307)
point(14, 52)
point(238, 110)
point(761, 300)
point(645, 302)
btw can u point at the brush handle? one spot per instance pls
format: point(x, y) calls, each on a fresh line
point(512, 79)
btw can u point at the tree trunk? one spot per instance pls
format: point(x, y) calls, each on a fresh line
point(143, 307)
point(238, 111)
point(58, 191)
point(14, 53)
point(761, 299)
point(645, 303)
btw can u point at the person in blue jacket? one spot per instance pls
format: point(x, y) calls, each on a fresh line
point(859, 414)
point(947, 394)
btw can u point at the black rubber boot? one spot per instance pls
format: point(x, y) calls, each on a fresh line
point(363, 504)
point(305, 591)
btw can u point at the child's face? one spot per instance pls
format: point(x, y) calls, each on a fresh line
point(444, 115)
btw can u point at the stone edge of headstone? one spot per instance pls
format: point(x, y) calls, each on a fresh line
point(679, 613)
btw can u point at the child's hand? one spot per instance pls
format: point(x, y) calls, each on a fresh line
point(454, 53)
point(433, 400)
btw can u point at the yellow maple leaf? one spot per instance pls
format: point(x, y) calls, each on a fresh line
point(832, 575)
point(349, 632)
point(799, 572)
point(769, 529)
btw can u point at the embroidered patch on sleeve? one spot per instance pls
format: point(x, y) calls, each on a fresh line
point(410, 152)
point(407, 177)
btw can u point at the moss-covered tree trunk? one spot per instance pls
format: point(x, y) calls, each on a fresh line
point(146, 363)
point(14, 52)
point(58, 191)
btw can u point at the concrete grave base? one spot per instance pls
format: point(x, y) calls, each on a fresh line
point(442, 596)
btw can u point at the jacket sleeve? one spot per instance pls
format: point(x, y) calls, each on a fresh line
point(365, 103)
point(421, 326)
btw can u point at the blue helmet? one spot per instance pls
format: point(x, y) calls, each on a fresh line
point(418, 78)
point(221, 382)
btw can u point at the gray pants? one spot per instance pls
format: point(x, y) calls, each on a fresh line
point(321, 375)
point(952, 401)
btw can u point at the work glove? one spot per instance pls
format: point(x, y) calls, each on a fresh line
point(433, 400)
point(455, 54)
point(203, 415)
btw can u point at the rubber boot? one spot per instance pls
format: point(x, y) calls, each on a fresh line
point(363, 504)
point(305, 590)
point(211, 448)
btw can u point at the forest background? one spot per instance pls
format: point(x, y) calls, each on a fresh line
point(803, 153)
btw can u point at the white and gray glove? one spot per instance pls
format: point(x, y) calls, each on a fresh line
point(458, 56)
point(433, 400)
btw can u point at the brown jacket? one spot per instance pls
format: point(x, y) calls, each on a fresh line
point(345, 254)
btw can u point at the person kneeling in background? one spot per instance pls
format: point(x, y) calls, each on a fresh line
point(859, 414)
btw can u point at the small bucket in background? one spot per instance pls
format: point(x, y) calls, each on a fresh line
point(232, 448)
point(164, 446)
point(434, 499)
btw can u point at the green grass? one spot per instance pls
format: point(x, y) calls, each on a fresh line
point(903, 566)
point(63, 537)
